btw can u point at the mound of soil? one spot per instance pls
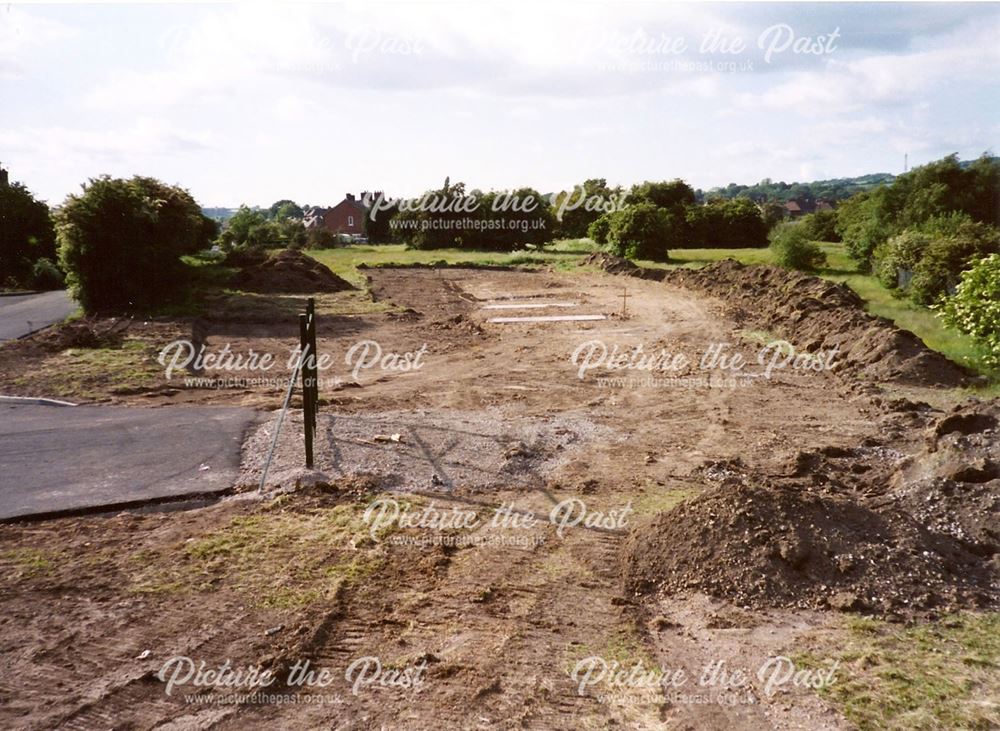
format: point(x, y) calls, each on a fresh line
point(760, 545)
point(815, 314)
point(952, 486)
point(86, 333)
point(289, 272)
point(616, 265)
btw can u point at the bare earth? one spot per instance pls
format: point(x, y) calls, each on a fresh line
point(94, 606)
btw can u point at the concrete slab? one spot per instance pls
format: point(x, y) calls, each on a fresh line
point(548, 318)
point(56, 459)
point(529, 305)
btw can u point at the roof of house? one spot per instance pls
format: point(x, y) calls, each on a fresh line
point(792, 206)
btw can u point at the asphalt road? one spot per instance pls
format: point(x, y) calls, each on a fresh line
point(64, 458)
point(24, 313)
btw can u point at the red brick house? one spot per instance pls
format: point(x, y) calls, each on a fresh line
point(347, 217)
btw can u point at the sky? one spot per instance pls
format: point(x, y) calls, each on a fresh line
point(252, 103)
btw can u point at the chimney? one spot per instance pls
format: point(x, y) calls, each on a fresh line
point(350, 196)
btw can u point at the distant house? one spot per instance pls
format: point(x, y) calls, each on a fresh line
point(313, 218)
point(793, 209)
point(798, 207)
point(347, 217)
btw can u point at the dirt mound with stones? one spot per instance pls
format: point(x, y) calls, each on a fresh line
point(289, 272)
point(761, 545)
point(616, 265)
point(815, 314)
point(953, 485)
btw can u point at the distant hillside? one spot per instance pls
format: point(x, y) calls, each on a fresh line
point(835, 189)
point(219, 214)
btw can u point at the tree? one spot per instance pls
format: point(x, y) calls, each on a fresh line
point(665, 194)
point(577, 209)
point(870, 219)
point(975, 308)
point(822, 226)
point(280, 210)
point(120, 241)
point(794, 250)
point(733, 223)
point(26, 235)
point(641, 231)
point(378, 224)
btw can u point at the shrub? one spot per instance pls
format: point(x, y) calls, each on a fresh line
point(26, 234)
point(899, 255)
point(935, 254)
point(120, 241)
point(46, 275)
point(822, 226)
point(735, 223)
point(598, 230)
point(321, 238)
point(641, 231)
point(975, 308)
point(793, 248)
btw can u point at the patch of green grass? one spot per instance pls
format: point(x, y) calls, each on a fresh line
point(344, 260)
point(28, 563)
point(278, 558)
point(658, 499)
point(937, 675)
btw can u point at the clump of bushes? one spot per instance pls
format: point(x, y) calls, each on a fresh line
point(794, 249)
point(641, 231)
point(121, 242)
point(822, 226)
point(926, 262)
point(46, 275)
point(975, 307)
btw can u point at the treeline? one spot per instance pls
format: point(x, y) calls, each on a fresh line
point(645, 222)
point(27, 241)
point(932, 235)
point(835, 189)
point(117, 244)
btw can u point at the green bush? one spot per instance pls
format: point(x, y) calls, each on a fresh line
point(641, 231)
point(731, 224)
point(899, 254)
point(822, 226)
point(120, 242)
point(867, 220)
point(321, 238)
point(935, 254)
point(793, 249)
point(45, 275)
point(26, 235)
point(598, 230)
point(975, 308)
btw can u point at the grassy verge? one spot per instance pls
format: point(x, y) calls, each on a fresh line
point(937, 675)
point(921, 321)
point(345, 260)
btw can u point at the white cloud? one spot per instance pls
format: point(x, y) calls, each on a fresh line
point(22, 34)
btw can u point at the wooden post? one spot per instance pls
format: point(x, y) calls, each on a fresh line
point(308, 422)
point(313, 358)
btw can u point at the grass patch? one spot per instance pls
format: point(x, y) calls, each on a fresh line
point(27, 563)
point(278, 558)
point(658, 499)
point(344, 260)
point(938, 675)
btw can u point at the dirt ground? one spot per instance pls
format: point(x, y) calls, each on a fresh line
point(488, 622)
